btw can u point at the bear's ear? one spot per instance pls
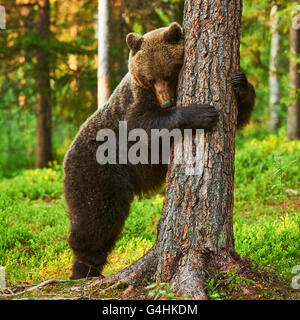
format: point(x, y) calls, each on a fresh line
point(134, 42)
point(174, 33)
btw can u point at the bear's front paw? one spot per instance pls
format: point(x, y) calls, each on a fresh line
point(204, 116)
point(239, 83)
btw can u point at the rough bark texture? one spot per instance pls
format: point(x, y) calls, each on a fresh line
point(274, 101)
point(196, 233)
point(293, 126)
point(43, 97)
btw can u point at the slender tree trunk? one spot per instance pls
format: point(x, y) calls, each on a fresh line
point(195, 233)
point(274, 101)
point(103, 52)
point(43, 97)
point(2, 18)
point(293, 125)
point(118, 30)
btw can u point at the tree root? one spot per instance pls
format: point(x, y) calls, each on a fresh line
point(130, 277)
point(189, 278)
point(190, 285)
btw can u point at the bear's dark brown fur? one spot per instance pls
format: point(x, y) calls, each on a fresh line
point(99, 196)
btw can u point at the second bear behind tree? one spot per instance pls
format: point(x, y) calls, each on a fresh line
point(99, 196)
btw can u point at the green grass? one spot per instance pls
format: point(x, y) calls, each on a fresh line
point(266, 213)
point(266, 168)
point(270, 240)
point(34, 224)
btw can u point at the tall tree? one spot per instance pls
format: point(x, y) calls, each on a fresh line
point(199, 208)
point(43, 97)
point(293, 125)
point(103, 52)
point(195, 233)
point(274, 100)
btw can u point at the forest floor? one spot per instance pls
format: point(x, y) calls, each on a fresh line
point(34, 227)
point(246, 284)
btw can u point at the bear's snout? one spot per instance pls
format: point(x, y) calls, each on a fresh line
point(165, 92)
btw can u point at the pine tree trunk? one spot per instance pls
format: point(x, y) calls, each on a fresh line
point(195, 234)
point(196, 231)
point(43, 97)
point(274, 101)
point(293, 126)
point(103, 53)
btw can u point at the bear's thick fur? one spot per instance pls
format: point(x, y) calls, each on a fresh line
point(99, 196)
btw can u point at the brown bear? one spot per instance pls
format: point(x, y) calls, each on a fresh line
point(99, 196)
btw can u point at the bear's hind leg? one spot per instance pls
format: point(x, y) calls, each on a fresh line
point(97, 218)
point(89, 263)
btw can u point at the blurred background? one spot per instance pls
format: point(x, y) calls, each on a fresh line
point(48, 67)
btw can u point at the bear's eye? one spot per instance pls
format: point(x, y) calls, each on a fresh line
point(151, 81)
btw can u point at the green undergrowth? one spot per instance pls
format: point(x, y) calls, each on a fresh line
point(34, 224)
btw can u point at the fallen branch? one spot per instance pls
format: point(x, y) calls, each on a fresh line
point(39, 286)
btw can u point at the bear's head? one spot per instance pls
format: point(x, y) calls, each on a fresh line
point(155, 61)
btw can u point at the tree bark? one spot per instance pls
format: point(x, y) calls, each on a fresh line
point(195, 234)
point(103, 52)
point(274, 101)
point(293, 125)
point(196, 231)
point(43, 96)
